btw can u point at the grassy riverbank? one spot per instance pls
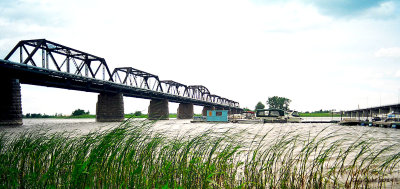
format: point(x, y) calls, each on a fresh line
point(134, 155)
point(93, 116)
point(170, 116)
point(318, 115)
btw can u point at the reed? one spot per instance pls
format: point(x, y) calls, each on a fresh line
point(135, 155)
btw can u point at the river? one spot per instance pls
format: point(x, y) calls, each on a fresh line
point(176, 126)
point(379, 138)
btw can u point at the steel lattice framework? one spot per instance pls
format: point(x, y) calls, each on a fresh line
point(137, 78)
point(42, 62)
point(173, 87)
point(60, 58)
point(198, 92)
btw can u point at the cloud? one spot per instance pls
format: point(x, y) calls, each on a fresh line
point(345, 7)
point(397, 74)
point(37, 12)
point(388, 52)
point(385, 10)
point(293, 17)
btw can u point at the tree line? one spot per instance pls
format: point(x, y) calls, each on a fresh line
point(282, 103)
point(275, 102)
point(75, 113)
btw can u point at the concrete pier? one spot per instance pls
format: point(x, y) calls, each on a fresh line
point(110, 107)
point(158, 109)
point(10, 102)
point(205, 108)
point(185, 111)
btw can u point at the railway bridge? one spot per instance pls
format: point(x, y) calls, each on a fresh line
point(45, 63)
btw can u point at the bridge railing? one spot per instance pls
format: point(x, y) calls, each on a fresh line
point(48, 55)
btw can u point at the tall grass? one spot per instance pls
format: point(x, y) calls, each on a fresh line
point(135, 155)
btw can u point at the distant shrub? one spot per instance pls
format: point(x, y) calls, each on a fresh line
point(137, 113)
point(36, 115)
point(79, 112)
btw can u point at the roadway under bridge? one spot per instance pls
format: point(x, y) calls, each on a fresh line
point(45, 63)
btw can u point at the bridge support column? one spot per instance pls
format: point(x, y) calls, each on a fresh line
point(10, 102)
point(158, 109)
point(374, 113)
point(185, 111)
point(110, 107)
point(205, 108)
point(365, 114)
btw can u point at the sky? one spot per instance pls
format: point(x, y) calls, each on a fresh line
point(321, 54)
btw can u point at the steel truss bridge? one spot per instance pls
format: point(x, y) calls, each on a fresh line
point(45, 63)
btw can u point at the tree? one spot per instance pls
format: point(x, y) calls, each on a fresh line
point(246, 109)
point(138, 113)
point(78, 112)
point(278, 102)
point(260, 105)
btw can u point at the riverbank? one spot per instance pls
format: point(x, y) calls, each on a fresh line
point(319, 115)
point(91, 116)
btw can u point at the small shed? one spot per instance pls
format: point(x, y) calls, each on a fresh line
point(217, 115)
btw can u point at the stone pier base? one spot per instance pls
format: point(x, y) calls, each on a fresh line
point(10, 102)
point(185, 111)
point(158, 109)
point(110, 107)
point(205, 108)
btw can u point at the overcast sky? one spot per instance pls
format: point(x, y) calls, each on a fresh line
point(321, 54)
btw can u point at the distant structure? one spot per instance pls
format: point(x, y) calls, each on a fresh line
point(372, 111)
